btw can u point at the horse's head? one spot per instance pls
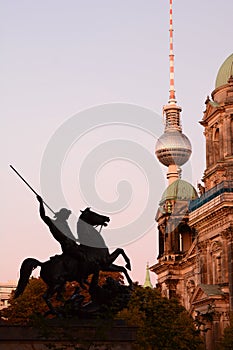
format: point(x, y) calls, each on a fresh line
point(93, 218)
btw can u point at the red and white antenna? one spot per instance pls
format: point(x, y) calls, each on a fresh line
point(172, 98)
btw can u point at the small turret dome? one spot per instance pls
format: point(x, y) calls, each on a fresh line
point(179, 190)
point(173, 147)
point(224, 72)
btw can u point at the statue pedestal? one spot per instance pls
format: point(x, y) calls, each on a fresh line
point(69, 334)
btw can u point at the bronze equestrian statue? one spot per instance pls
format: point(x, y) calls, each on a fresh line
point(77, 261)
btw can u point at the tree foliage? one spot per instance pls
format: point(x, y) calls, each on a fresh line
point(31, 302)
point(163, 324)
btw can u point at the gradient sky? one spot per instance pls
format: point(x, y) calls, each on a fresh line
point(62, 57)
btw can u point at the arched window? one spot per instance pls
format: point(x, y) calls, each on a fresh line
point(161, 241)
point(216, 262)
point(185, 237)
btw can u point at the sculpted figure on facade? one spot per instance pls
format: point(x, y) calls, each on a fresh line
point(190, 288)
point(201, 189)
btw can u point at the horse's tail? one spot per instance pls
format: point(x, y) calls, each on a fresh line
point(28, 265)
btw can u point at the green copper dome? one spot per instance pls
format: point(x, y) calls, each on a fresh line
point(179, 190)
point(225, 71)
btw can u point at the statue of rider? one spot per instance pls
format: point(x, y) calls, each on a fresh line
point(90, 240)
point(60, 228)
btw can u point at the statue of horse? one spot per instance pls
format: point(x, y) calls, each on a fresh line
point(77, 263)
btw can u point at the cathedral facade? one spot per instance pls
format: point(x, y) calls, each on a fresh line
point(195, 226)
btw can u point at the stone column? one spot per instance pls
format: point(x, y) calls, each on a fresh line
point(224, 258)
point(226, 127)
point(206, 134)
point(209, 266)
point(221, 139)
point(228, 136)
point(210, 146)
point(229, 235)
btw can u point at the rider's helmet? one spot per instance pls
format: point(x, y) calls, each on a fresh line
point(63, 213)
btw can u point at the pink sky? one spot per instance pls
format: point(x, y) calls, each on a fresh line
point(59, 58)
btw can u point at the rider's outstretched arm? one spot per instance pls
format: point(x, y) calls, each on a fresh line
point(42, 210)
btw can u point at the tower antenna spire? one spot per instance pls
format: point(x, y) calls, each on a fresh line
point(172, 98)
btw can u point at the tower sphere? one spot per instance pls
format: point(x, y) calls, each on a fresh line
point(173, 147)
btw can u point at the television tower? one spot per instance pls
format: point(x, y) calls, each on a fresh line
point(173, 148)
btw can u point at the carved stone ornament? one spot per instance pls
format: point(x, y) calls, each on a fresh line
point(228, 233)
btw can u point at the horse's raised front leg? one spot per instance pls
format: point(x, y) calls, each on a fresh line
point(117, 268)
point(116, 253)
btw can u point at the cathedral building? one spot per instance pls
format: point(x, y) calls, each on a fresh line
point(195, 230)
